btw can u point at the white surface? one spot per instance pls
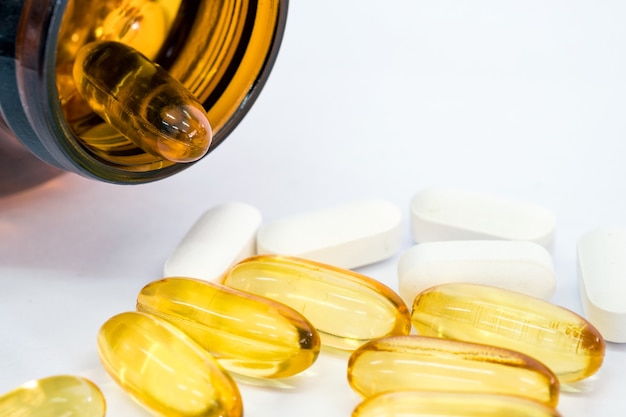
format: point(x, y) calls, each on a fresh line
point(601, 271)
point(349, 235)
point(521, 266)
point(455, 214)
point(222, 236)
point(367, 100)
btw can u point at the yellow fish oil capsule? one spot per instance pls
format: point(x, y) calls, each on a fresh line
point(561, 339)
point(164, 370)
point(61, 395)
point(247, 334)
point(140, 24)
point(142, 101)
point(347, 308)
point(450, 404)
point(426, 363)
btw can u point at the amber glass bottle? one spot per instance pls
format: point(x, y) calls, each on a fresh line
point(221, 50)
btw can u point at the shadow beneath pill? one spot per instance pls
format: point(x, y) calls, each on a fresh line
point(615, 347)
point(580, 387)
point(295, 382)
point(271, 383)
point(601, 381)
point(337, 353)
point(325, 367)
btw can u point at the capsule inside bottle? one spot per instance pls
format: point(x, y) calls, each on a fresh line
point(425, 363)
point(143, 26)
point(61, 395)
point(165, 370)
point(450, 404)
point(142, 101)
point(140, 24)
point(569, 345)
point(247, 334)
point(347, 308)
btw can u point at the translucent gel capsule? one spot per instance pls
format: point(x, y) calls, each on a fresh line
point(140, 24)
point(561, 339)
point(425, 363)
point(346, 308)
point(164, 370)
point(247, 334)
point(62, 395)
point(450, 404)
point(142, 101)
point(170, 10)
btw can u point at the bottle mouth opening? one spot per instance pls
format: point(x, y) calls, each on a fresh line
point(221, 50)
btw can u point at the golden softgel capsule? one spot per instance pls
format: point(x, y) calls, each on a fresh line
point(346, 308)
point(427, 363)
point(61, 395)
point(142, 101)
point(247, 334)
point(569, 345)
point(164, 369)
point(140, 24)
point(450, 404)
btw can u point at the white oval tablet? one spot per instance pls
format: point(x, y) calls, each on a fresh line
point(450, 214)
point(221, 237)
point(602, 279)
point(520, 266)
point(347, 236)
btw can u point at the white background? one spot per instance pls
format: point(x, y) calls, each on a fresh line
point(367, 99)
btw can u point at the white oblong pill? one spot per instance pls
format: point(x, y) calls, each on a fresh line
point(221, 237)
point(347, 236)
point(520, 266)
point(451, 214)
point(602, 281)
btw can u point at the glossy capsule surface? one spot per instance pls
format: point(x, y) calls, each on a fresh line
point(450, 404)
point(164, 369)
point(247, 334)
point(140, 24)
point(142, 101)
point(426, 363)
point(346, 308)
point(61, 395)
point(569, 345)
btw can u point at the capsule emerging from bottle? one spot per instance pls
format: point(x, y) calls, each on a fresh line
point(569, 345)
point(164, 370)
point(426, 363)
point(142, 101)
point(61, 395)
point(247, 334)
point(450, 404)
point(347, 308)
